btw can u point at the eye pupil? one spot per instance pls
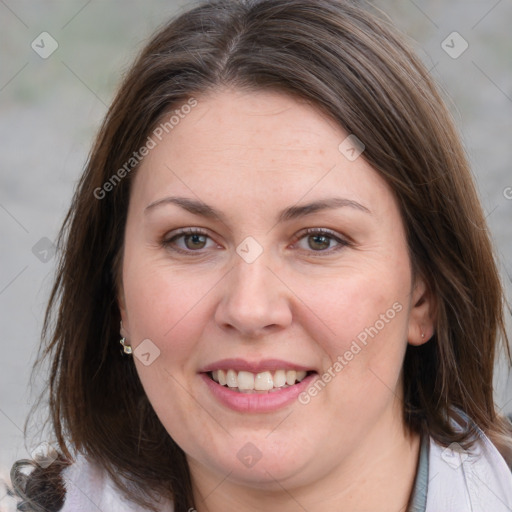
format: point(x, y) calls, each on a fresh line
point(196, 240)
point(322, 242)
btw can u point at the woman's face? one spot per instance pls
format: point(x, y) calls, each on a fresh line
point(293, 262)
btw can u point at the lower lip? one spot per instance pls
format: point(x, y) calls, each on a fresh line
point(256, 402)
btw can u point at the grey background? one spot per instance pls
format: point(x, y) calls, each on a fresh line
point(51, 108)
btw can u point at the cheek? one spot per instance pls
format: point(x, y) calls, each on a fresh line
point(364, 314)
point(169, 309)
point(358, 306)
point(363, 353)
point(165, 304)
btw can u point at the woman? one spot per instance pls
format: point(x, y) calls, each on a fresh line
point(278, 221)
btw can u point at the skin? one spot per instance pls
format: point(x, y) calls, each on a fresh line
point(250, 155)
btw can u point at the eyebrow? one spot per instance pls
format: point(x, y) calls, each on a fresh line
point(293, 212)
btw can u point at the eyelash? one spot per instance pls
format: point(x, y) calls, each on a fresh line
point(167, 243)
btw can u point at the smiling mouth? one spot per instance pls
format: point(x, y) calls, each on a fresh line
point(263, 382)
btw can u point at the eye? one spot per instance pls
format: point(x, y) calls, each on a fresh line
point(321, 240)
point(188, 240)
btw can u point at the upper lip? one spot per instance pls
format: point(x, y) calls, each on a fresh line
point(253, 366)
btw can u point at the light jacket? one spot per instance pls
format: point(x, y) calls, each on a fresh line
point(475, 481)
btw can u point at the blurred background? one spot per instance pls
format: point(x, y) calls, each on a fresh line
point(60, 63)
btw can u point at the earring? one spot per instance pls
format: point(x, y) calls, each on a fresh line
point(127, 349)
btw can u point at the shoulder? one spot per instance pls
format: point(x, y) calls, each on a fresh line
point(87, 485)
point(8, 499)
point(475, 479)
point(80, 485)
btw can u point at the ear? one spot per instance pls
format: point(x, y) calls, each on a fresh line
point(421, 318)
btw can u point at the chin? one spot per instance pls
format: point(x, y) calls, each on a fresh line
point(262, 463)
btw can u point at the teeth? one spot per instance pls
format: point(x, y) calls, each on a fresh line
point(231, 379)
point(301, 375)
point(291, 376)
point(279, 379)
point(263, 381)
point(247, 382)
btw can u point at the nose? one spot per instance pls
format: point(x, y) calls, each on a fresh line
point(255, 301)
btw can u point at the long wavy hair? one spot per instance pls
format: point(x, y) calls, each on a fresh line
point(352, 65)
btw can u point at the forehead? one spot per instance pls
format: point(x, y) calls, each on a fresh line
point(254, 145)
point(231, 123)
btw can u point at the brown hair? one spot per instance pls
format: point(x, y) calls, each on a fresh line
point(353, 66)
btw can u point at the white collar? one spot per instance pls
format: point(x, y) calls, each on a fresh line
point(89, 489)
point(474, 481)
